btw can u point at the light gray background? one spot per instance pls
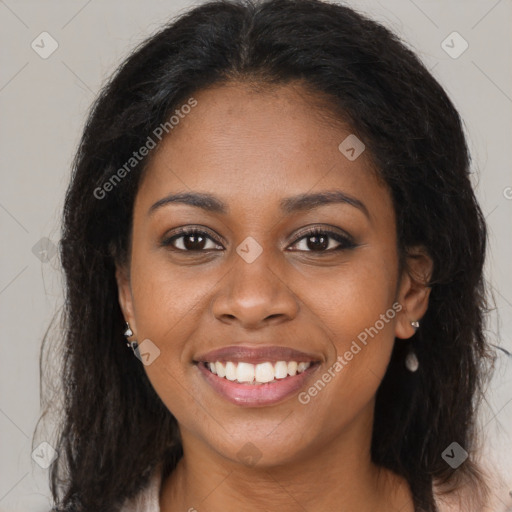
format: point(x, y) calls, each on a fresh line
point(43, 103)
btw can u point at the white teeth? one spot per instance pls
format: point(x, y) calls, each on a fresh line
point(257, 373)
point(230, 371)
point(264, 372)
point(302, 366)
point(281, 370)
point(245, 372)
point(221, 372)
point(292, 368)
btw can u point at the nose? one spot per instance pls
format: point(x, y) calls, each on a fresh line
point(254, 295)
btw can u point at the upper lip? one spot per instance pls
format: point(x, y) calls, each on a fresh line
point(256, 355)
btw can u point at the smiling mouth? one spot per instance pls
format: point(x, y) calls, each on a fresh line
point(257, 374)
point(265, 383)
point(261, 376)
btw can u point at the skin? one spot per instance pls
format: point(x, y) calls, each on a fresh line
point(251, 149)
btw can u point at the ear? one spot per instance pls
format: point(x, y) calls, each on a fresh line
point(413, 291)
point(125, 295)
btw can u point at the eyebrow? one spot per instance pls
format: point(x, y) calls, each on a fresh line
point(288, 205)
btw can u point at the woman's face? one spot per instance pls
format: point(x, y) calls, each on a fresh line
point(257, 287)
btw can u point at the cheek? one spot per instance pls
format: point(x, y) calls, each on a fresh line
point(167, 303)
point(352, 297)
point(166, 298)
point(355, 306)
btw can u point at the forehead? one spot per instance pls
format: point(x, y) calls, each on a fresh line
point(248, 145)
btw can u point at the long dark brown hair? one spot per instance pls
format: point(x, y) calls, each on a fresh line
point(114, 428)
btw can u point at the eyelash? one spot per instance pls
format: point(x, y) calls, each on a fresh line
point(345, 241)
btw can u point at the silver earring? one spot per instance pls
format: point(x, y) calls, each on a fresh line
point(132, 344)
point(128, 332)
point(411, 360)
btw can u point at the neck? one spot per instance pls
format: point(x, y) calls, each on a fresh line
point(336, 475)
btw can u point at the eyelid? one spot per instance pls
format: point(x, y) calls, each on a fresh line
point(328, 230)
point(194, 228)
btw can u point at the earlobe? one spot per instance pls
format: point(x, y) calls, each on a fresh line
point(414, 292)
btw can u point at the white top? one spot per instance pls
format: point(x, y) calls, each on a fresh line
point(148, 499)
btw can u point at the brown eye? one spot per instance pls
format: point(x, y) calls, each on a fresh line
point(318, 240)
point(190, 240)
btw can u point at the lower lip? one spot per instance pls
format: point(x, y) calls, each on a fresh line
point(257, 395)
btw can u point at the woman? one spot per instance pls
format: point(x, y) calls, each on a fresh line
point(273, 260)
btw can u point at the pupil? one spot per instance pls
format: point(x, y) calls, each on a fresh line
point(196, 244)
point(319, 242)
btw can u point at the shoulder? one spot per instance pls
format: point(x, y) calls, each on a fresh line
point(492, 451)
point(148, 499)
